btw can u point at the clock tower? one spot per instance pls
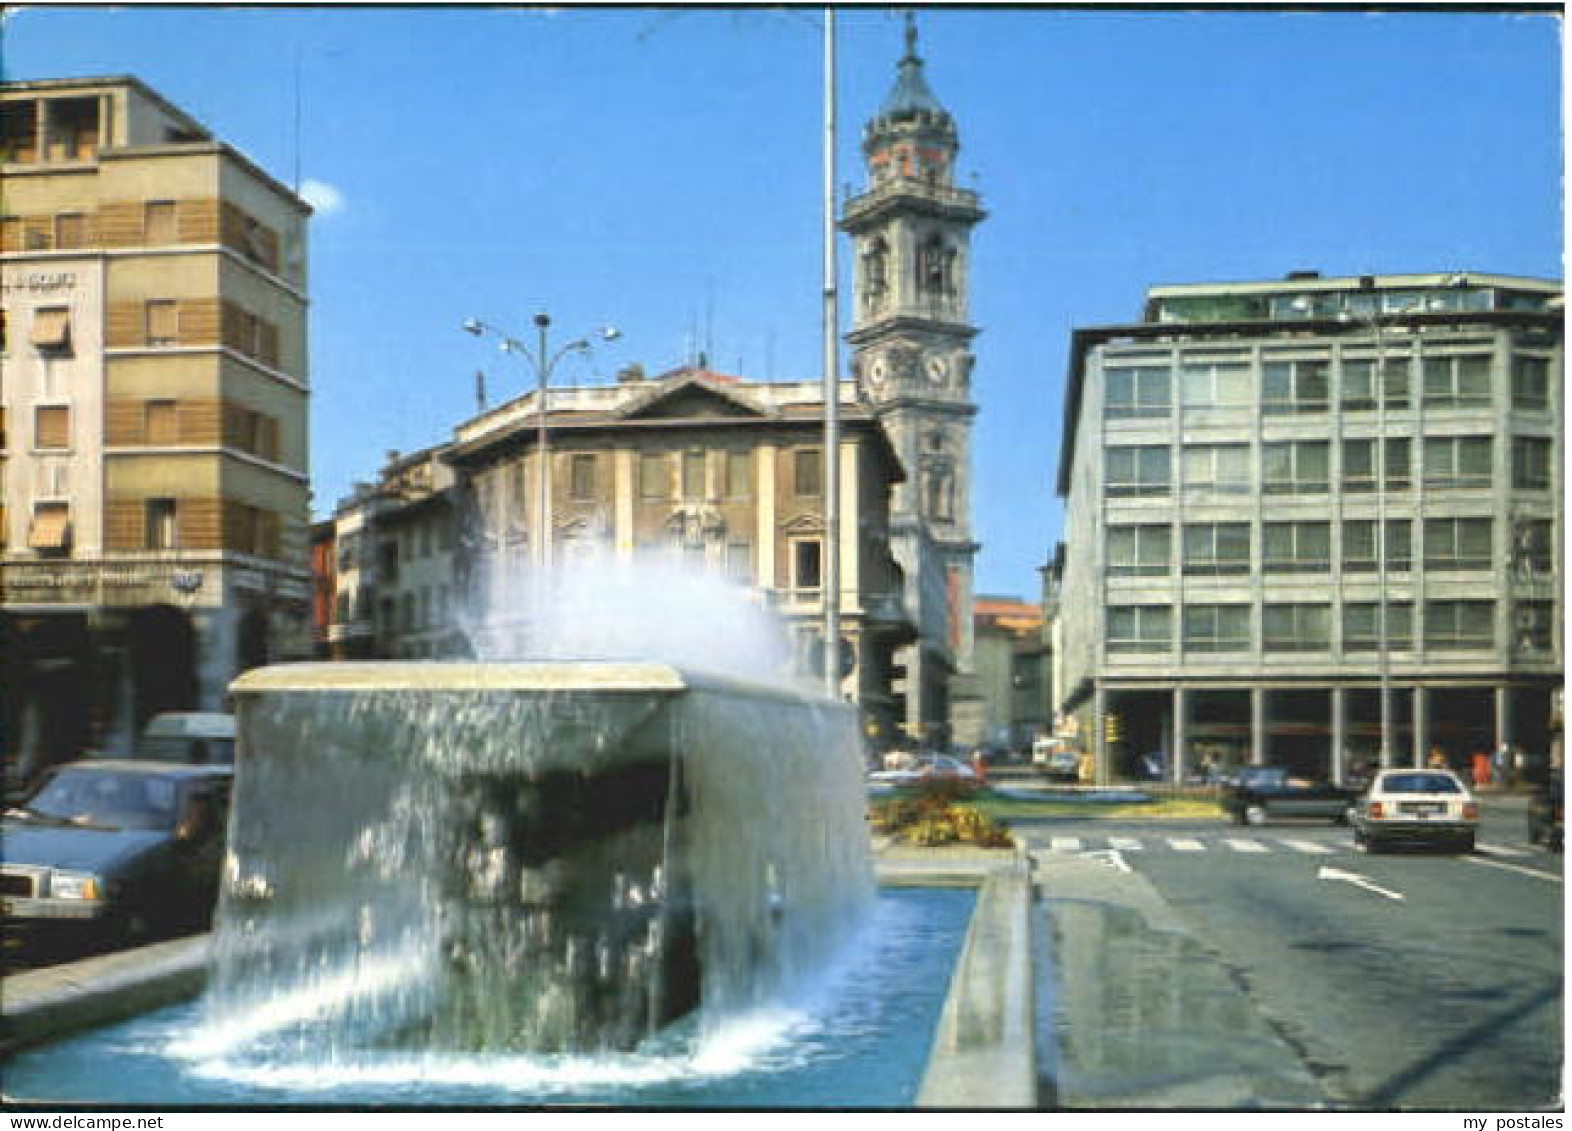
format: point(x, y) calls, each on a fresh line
point(911, 358)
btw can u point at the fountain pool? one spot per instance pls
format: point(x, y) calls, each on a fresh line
point(859, 1038)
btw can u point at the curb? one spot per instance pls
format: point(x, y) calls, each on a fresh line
point(985, 1048)
point(40, 1005)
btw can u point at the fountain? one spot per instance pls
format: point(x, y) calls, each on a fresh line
point(536, 856)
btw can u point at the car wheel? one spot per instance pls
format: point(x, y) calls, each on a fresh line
point(1346, 817)
point(1255, 815)
point(1466, 845)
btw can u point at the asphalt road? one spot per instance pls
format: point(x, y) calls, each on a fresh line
point(1410, 980)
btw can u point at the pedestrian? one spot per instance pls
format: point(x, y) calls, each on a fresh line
point(1437, 758)
point(1481, 762)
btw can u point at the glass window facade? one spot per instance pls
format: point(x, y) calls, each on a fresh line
point(1457, 461)
point(1458, 543)
point(1216, 628)
point(1217, 467)
point(1362, 555)
point(1362, 626)
point(1296, 467)
point(1459, 625)
point(1143, 470)
point(1359, 468)
point(1139, 628)
point(1531, 463)
point(1530, 382)
point(1296, 547)
point(1215, 385)
point(1296, 627)
point(1289, 387)
point(1216, 548)
point(1131, 391)
point(1144, 550)
point(1359, 382)
point(1457, 382)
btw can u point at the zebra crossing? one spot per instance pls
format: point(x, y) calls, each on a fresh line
point(1233, 845)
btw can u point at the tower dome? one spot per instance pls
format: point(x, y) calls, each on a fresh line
point(912, 135)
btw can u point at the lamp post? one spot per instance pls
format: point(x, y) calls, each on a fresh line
point(1383, 639)
point(832, 478)
point(544, 363)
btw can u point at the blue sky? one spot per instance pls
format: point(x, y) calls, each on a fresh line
point(659, 170)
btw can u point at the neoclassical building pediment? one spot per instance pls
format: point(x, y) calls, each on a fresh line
point(804, 524)
point(693, 396)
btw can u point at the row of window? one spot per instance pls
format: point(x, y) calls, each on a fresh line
point(1307, 386)
point(156, 324)
point(660, 474)
point(1304, 467)
point(244, 528)
point(158, 423)
point(1448, 625)
point(153, 223)
point(1218, 548)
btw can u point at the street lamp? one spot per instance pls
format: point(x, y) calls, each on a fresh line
point(1372, 321)
point(544, 363)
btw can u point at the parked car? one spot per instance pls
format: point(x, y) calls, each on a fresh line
point(125, 847)
point(1257, 794)
point(1416, 807)
point(188, 736)
point(1063, 766)
point(935, 767)
point(1545, 813)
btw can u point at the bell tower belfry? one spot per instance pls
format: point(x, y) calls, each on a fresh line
point(911, 359)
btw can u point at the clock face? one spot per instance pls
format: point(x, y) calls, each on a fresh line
point(937, 368)
point(878, 371)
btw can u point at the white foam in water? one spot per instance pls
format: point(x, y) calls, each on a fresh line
point(345, 812)
point(771, 1038)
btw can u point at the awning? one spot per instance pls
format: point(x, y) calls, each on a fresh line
point(51, 530)
point(51, 329)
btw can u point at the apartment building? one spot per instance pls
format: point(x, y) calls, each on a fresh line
point(396, 564)
point(153, 467)
point(1310, 518)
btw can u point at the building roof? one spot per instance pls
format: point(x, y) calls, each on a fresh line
point(1009, 613)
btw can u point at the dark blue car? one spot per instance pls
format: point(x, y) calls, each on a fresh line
point(123, 848)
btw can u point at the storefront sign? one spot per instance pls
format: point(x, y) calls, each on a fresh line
point(40, 282)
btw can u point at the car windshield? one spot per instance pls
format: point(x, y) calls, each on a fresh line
point(116, 799)
point(1420, 783)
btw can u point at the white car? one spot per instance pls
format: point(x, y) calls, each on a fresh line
point(936, 768)
point(1416, 806)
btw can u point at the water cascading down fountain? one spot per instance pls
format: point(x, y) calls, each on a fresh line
point(529, 856)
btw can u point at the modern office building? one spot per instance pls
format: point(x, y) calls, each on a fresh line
point(153, 536)
point(1291, 501)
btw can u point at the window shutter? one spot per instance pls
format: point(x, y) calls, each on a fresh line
point(52, 427)
point(51, 329)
